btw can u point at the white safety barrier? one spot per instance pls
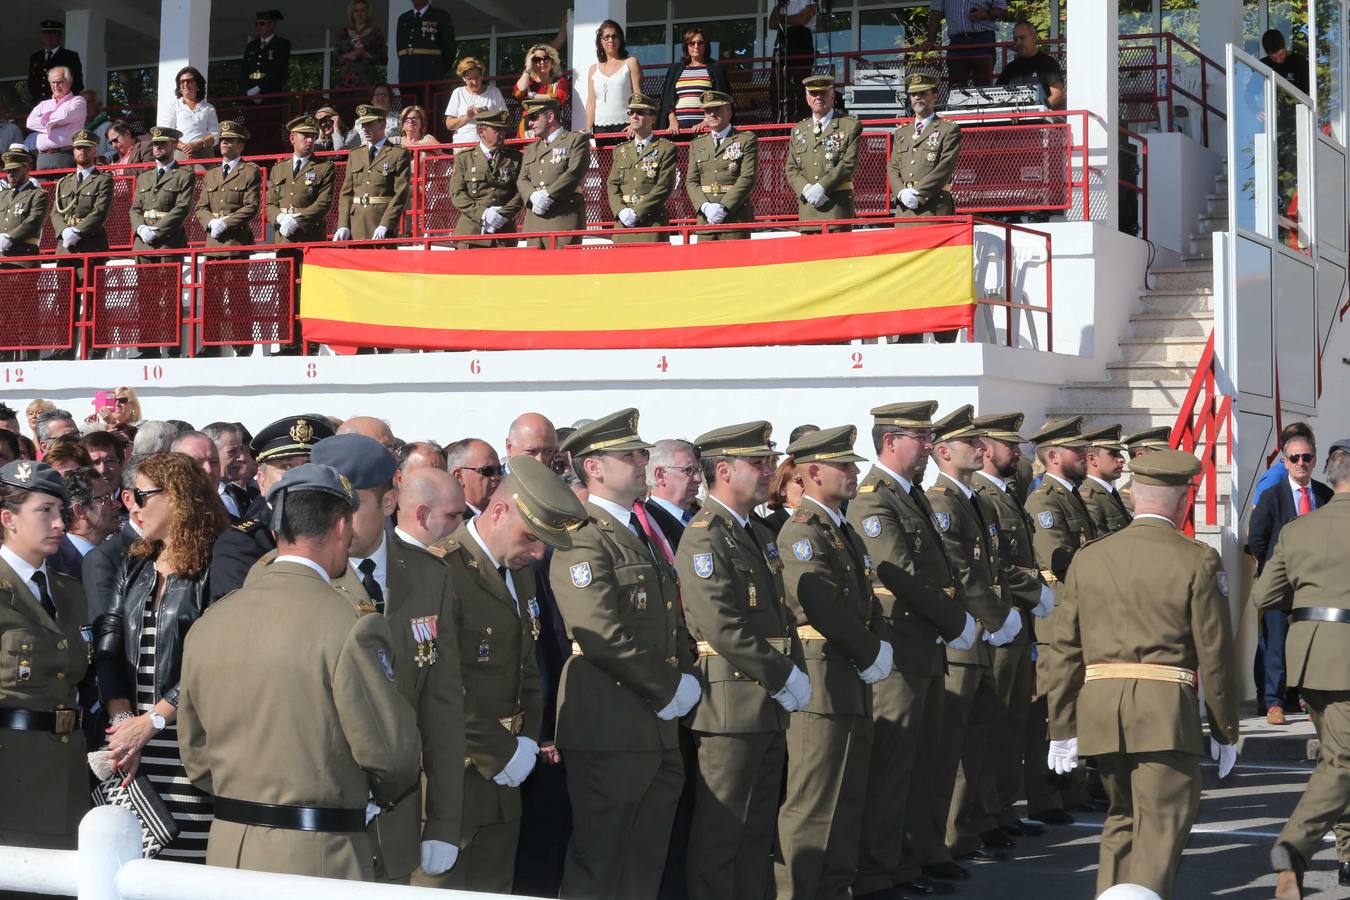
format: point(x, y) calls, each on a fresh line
point(108, 866)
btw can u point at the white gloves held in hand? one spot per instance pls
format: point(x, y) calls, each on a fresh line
point(342, 234)
point(1011, 627)
point(881, 667)
point(70, 237)
point(493, 219)
point(1225, 755)
point(380, 233)
point(796, 694)
point(628, 217)
point(686, 698)
point(910, 198)
point(287, 224)
point(372, 810)
point(966, 639)
point(216, 227)
point(715, 213)
point(438, 857)
point(520, 765)
point(144, 232)
point(540, 202)
point(1047, 603)
point(815, 195)
point(253, 91)
point(1063, 756)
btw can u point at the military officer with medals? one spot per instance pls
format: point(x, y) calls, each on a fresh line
point(23, 211)
point(630, 677)
point(822, 155)
point(827, 576)
point(300, 189)
point(375, 191)
point(425, 38)
point(723, 164)
point(231, 193)
point(44, 627)
point(551, 172)
point(1142, 618)
point(1104, 464)
point(82, 201)
point(641, 176)
point(749, 661)
point(924, 155)
point(267, 58)
point(1139, 443)
point(483, 184)
point(489, 560)
point(164, 196)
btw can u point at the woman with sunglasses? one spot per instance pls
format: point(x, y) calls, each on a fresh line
point(543, 77)
point(686, 80)
point(193, 116)
point(614, 78)
point(161, 591)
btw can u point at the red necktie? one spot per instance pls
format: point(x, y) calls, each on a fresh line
point(1304, 501)
point(654, 537)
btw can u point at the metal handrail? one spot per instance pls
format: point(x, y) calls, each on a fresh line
point(1201, 430)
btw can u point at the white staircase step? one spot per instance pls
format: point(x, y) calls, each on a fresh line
point(1180, 278)
point(1172, 370)
point(1131, 418)
point(1198, 302)
point(1135, 392)
point(1200, 256)
point(1182, 324)
point(1184, 349)
point(1213, 222)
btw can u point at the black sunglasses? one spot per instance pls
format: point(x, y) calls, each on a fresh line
point(485, 471)
point(141, 496)
point(1308, 458)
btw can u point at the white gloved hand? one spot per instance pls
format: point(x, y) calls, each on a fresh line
point(966, 639)
point(342, 234)
point(492, 217)
point(815, 195)
point(540, 202)
point(5, 242)
point(909, 197)
point(1047, 603)
point(216, 227)
point(287, 224)
point(520, 765)
point(1011, 627)
point(1225, 755)
point(796, 694)
point(438, 857)
point(70, 237)
point(253, 91)
point(628, 217)
point(380, 233)
point(1063, 756)
point(372, 810)
point(881, 666)
point(144, 232)
point(687, 695)
point(719, 214)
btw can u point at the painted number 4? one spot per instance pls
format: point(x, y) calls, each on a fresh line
point(662, 364)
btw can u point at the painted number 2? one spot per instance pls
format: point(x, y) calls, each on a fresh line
point(856, 357)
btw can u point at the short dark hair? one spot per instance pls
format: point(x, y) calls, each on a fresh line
point(708, 465)
point(7, 414)
point(879, 433)
point(311, 514)
point(1272, 40)
point(622, 52)
point(79, 484)
point(106, 440)
point(579, 467)
point(689, 35)
point(198, 77)
point(11, 440)
point(121, 126)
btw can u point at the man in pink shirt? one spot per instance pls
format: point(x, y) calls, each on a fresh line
point(56, 120)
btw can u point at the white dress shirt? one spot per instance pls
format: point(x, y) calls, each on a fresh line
point(408, 538)
point(620, 514)
point(835, 517)
point(381, 558)
point(740, 520)
point(1295, 487)
point(680, 514)
point(510, 583)
point(25, 572)
point(305, 561)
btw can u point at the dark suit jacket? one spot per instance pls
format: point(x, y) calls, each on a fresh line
point(1272, 512)
point(670, 526)
point(551, 647)
point(99, 568)
point(67, 559)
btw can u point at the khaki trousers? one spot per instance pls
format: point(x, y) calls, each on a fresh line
point(1154, 800)
point(1001, 786)
point(970, 725)
point(1324, 802)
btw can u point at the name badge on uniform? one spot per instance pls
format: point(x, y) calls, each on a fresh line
point(640, 598)
point(703, 565)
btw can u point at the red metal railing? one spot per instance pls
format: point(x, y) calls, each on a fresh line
point(1161, 78)
point(1205, 417)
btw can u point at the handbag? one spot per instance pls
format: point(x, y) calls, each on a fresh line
point(158, 828)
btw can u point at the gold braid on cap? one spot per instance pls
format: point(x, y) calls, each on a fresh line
point(826, 457)
point(568, 524)
point(601, 445)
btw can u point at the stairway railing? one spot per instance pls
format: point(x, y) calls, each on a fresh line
point(1205, 416)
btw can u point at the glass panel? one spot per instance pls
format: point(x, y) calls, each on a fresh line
point(1330, 77)
point(511, 51)
point(890, 29)
point(478, 47)
point(1182, 18)
point(1291, 171)
point(1291, 18)
point(647, 43)
point(1251, 27)
point(730, 38)
point(1136, 16)
point(834, 33)
point(1250, 149)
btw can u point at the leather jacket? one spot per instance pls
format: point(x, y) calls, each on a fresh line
point(118, 633)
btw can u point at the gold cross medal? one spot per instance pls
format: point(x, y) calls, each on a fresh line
point(424, 632)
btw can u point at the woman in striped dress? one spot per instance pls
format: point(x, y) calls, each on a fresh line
point(686, 80)
point(161, 591)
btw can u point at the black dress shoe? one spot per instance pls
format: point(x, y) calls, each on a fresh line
point(1344, 877)
point(1053, 817)
point(986, 854)
point(927, 887)
point(948, 871)
point(997, 840)
point(1023, 829)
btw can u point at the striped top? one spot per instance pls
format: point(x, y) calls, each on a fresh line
point(689, 87)
point(162, 763)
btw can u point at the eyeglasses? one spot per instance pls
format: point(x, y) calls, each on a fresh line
point(609, 37)
point(141, 496)
point(687, 471)
point(187, 81)
point(921, 437)
point(1308, 458)
point(540, 59)
point(102, 498)
point(696, 43)
point(123, 401)
point(485, 471)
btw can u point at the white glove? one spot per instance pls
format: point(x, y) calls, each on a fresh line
point(1011, 627)
point(966, 640)
point(372, 810)
point(253, 91)
point(1225, 755)
point(492, 216)
point(342, 234)
point(380, 233)
point(5, 242)
point(144, 232)
point(70, 237)
point(216, 227)
point(910, 198)
point(520, 764)
point(540, 202)
point(628, 217)
point(1047, 603)
point(287, 224)
point(815, 195)
point(1063, 756)
point(715, 213)
point(686, 697)
point(796, 694)
point(881, 667)
point(438, 857)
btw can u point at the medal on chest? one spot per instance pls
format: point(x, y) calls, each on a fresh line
point(534, 617)
point(640, 599)
point(424, 633)
point(752, 596)
point(484, 646)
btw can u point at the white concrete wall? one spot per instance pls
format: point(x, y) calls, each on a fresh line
point(1180, 173)
point(1098, 274)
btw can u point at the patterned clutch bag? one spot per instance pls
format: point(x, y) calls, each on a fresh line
point(158, 827)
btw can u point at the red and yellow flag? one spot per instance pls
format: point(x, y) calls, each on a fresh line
point(817, 289)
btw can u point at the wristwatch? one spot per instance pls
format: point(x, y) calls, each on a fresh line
point(157, 720)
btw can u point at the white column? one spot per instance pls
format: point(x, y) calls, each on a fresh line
point(85, 30)
point(586, 18)
point(1092, 76)
point(184, 40)
point(1220, 25)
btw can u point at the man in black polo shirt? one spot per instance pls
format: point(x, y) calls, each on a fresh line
point(1034, 66)
point(1292, 66)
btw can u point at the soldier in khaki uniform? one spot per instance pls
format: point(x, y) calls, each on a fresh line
point(231, 193)
point(723, 165)
point(483, 184)
point(749, 661)
point(82, 201)
point(1139, 443)
point(23, 210)
point(44, 778)
point(375, 191)
point(300, 189)
point(827, 574)
point(630, 676)
point(551, 172)
point(1105, 461)
point(822, 154)
point(923, 155)
point(1144, 613)
point(641, 175)
point(164, 195)
point(489, 560)
point(291, 777)
point(892, 515)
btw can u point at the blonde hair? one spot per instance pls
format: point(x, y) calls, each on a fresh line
point(351, 4)
point(555, 69)
point(133, 403)
point(38, 407)
point(408, 111)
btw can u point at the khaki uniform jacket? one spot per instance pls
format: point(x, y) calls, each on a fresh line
point(620, 609)
point(905, 547)
point(289, 697)
point(724, 174)
point(969, 529)
point(476, 184)
point(732, 588)
point(828, 159)
point(236, 199)
point(22, 215)
point(1311, 568)
point(163, 203)
point(643, 183)
point(558, 168)
point(1146, 594)
point(85, 208)
point(44, 777)
point(307, 195)
point(926, 163)
point(1017, 557)
point(1106, 509)
point(1063, 527)
point(503, 695)
point(828, 577)
point(375, 191)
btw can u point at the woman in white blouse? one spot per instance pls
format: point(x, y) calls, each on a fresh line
point(469, 101)
point(193, 116)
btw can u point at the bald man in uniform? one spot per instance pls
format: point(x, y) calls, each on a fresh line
point(430, 507)
point(371, 427)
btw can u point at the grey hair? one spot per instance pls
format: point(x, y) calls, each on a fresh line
point(218, 431)
point(154, 436)
point(663, 454)
point(129, 470)
point(458, 452)
point(1338, 467)
point(178, 439)
point(45, 420)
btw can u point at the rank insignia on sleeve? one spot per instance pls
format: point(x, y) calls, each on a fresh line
point(943, 520)
point(386, 663)
point(1046, 519)
point(581, 574)
point(1223, 583)
point(771, 550)
point(871, 526)
point(703, 565)
point(802, 550)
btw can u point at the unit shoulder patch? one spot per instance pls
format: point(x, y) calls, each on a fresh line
point(1045, 519)
point(802, 550)
point(581, 574)
point(703, 565)
point(872, 526)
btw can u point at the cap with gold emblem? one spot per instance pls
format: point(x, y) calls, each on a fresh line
point(232, 129)
point(496, 119)
point(84, 138)
point(1172, 468)
point(535, 105)
point(641, 101)
point(1001, 427)
point(818, 82)
point(957, 424)
point(1062, 432)
point(34, 476)
point(613, 433)
point(16, 159)
point(303, 125)
point(547, 505)
point(291, 436)
point(918, 414)
point(310, 477)
point(52, 25)
point(1107, 438)
point(745, 439)
point(1148, 440)
point(369, 112)
point(165, 133)
point(834, 445)
point(714, 99)
point(919, 82)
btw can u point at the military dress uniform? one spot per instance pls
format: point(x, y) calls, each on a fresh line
point(723, 171)
point(235, 197)
point(824, 153)
point(375, 191)
point(1143, 614)
point(1103, 501)
point(827, 575)
point(555, 165)
point(304, 191)
point(163, 199)
point(23, 211)
point(39, 64)
point(426, 45)
point(641, 178)
point(266, 66)
point(1139, 443)
point(923, 157)
point(83, 203)
point(479, 182)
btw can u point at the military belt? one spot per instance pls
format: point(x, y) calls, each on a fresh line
point(1321, 614)
point(61, 721)
point(673, 661)
point(945, 187)
point(782, 645)
point(1140, 672)
point(151, 215)
point(514, 724)
point(714, 189)
point(368, 200)
point(1049, 576)
point(419, 51)
point(294, 818)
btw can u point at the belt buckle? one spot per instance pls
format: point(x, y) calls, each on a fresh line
point(66, 721)
point(363, 200)
point(150, 215)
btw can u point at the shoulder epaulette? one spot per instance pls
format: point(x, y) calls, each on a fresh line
point(801, 516)
point(940, 488)
point(248, 525)
point(866, 488)
point(700, 523)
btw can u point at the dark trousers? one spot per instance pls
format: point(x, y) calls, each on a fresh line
point(545, 828)
point(970, 66)
point(1270, 649)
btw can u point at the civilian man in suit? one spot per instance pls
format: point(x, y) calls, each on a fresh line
point(1280, 504)
point(673, 480)
point(91, 520)
point(98, 571)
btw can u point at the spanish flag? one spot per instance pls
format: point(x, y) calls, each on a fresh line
point(798, 290)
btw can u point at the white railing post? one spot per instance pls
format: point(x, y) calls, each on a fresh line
point(110, 837)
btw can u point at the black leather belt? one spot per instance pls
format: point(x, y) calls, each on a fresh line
point(62, 721)
point(1322, 614)
point(296, 818)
